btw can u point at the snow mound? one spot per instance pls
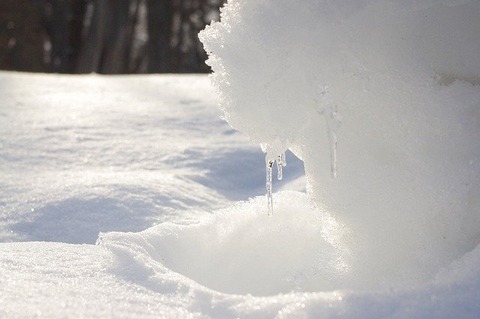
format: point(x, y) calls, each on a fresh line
point(383, 94)
point(242, 250)
point(243, 263)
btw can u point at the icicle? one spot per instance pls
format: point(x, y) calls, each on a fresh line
point(333, 123)
point(269, 187)
point(333, 153)
point(281, 163)
point(279, 168)
point(284, 159)
point(328, 109)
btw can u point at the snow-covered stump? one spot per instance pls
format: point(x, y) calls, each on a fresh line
point(384, 95)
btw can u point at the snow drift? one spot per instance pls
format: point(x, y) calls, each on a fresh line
point(242, 250)
point(286, 261)
point(107, 160)
point(386, 94)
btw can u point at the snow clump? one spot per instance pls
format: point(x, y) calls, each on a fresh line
point(383, 94)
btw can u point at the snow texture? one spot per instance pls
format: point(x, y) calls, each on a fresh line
point(51, 197)
point(384, 95)
point(144, 167)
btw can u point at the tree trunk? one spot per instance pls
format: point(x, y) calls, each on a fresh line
point(159, 52)
point(22, 36)
point(116, 41)
point(92, 46)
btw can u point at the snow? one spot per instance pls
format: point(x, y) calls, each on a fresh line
point(129, 196)
point(383, 96)
point(87, 154)
point(53, 204)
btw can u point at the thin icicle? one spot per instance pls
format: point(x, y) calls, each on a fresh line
point(269, 187)
point(281, 163)
point(333, 123)
point(333, 153)
point(279, 167)
point(328, 109)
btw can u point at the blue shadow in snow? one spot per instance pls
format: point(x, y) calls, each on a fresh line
point(240, 174)
point(79, 220)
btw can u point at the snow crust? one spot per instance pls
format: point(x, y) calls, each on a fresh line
point(384, 93)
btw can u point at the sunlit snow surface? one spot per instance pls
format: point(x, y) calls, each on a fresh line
point(384, 95)
point(87, 154)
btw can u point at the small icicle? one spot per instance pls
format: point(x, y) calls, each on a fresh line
point(279, 168)
point(328, 109)
point(333, 153)
point(284, 159)
point(333, 123)
point(269, 187)
point(270, 161)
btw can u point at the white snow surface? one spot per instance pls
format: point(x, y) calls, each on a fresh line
point(384, 95)
point(129, 196)
point(117, 155)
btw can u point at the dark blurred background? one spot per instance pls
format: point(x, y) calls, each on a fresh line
point(104, 36)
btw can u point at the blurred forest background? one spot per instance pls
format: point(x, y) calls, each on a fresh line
point(104, 36)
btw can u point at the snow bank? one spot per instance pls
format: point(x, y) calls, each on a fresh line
point(386, 94)
point(88, 153)
point(242, 250)
point(132, 151)
point(243, 263)
point(57, 280)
